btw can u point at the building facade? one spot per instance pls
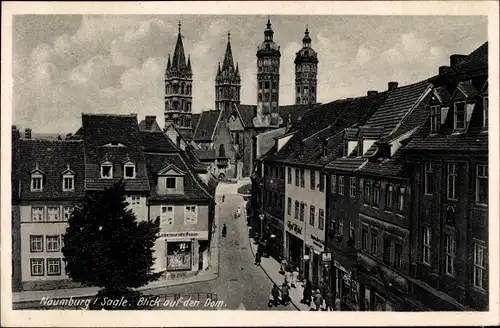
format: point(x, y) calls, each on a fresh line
point(179, 90)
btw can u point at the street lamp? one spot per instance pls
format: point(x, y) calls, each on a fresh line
point(261, 216)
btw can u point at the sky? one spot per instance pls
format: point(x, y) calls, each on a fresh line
point(65, 65)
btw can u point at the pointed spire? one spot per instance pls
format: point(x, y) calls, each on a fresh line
point(218, 69)
point(169, 65)
point(179, 60)
point(237, 70)
point(228, 63)
point(306, 40)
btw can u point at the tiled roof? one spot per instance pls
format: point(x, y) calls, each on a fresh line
point(194, 188)
point(442, 94)
point(143, 125)
point(475, 60)
point(397, 105)
point(324, 122)
point(346, 163)
point(52, 159)
point(393, 166)
point(467, 88)
point(265, 141)
point(206, 125)
point(157, 142)
point(247, 113)
point(194, 120)
point(205, 154)
point(100, 132)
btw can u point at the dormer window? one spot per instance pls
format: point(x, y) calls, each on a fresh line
point(460, 116)
point(435, 118)
point(485, 112)
point(36, 179)
point(170, 183)
point(107, 170)
point(68, 179)
point(129, 170)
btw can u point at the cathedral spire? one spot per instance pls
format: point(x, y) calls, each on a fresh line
point(189, 63)
point(306, 40)
point(168, 62)
point(237, 70)
point(228, 63)
point(179, 60)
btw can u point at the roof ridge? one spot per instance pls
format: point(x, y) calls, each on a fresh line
point(110, 115)
point(194, 176)
point(52, 141)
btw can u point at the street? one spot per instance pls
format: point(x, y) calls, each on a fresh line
point(241, 285)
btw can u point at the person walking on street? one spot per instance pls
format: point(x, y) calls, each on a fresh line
point(275, 292)
point(258, 257)
point(224, 230)
point(338, 303)
point(294, 277)
point(283, 265)
point(223, 197)
point(285, 294)
point(329, 301)
point(288, 277)
point(307, 294)
point(318, 300)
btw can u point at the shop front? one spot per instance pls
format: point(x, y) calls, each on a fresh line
point(294, 245)
point(314, 268)
point(274, 235)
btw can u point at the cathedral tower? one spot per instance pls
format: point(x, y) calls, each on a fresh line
point(268, 81)
point(178, 90)
point(306, 69)
point(227, 82)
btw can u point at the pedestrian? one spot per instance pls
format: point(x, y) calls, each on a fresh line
point(283, 265)
point(288, 277)
point(322, 287)
point(257, 258)
point(223, 197)
point(318, 299)
point(295, 276)
point(338, 303)
point(285, 294)
point(224, 230)
point(307, 293)
point(275, 292)
point(329, 301)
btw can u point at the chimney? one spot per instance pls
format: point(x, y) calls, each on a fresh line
point(150, 121)
point(443, 69)
point(371, 92)
point(392, 86)
point(456, 59)
point(27, 133)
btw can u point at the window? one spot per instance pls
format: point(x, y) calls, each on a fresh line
point(449, 254)
point(190, 216)
point(289, 206)
point(341, 227)
point(297, 177)
point(312, 211)
point(428, 179)
point(36, 244)
point(53, 243)
point(289, 169)
point(374, 242)
point(302, 211)
point(167, 215)
point(302, 179)
point(368, 191)
point(386, 256)
point(341, 185)
point(451, 185)
point(479, 275)
point(36, 182)
point(296, 209)
point(36, 267)
point(401, 200)
point(313, 180)
point(321, 182)
point(171, 183)
point(67, 212)
point(37, 213)
point(352, 187)
point(321, 219)
point(482, 184)
point(129, 171)
point(388, 197)
point(282, 173)
point(364, 238)
point(106, 171)
point(426, 243)
point(53, 214)
point(435, 118)
point(459, 116)
point(352, 229)
point(334, 183)
point(376, 195)
point(53, 267)
point(485, 112)
point(398, 255)
point(68, 182)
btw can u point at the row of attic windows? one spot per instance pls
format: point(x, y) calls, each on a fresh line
point(461, 116)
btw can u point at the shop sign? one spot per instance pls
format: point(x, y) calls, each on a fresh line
point(327, 257)
point(179, 235)
point(293, 227)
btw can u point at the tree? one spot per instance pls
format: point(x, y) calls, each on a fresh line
point(106, 246)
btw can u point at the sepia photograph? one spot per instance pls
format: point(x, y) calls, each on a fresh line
point(267, 161)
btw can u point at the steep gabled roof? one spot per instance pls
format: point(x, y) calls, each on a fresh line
point(206, 125)
point(194, 120)
point(247, 113)
point(158, 142)
point(52, 158)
